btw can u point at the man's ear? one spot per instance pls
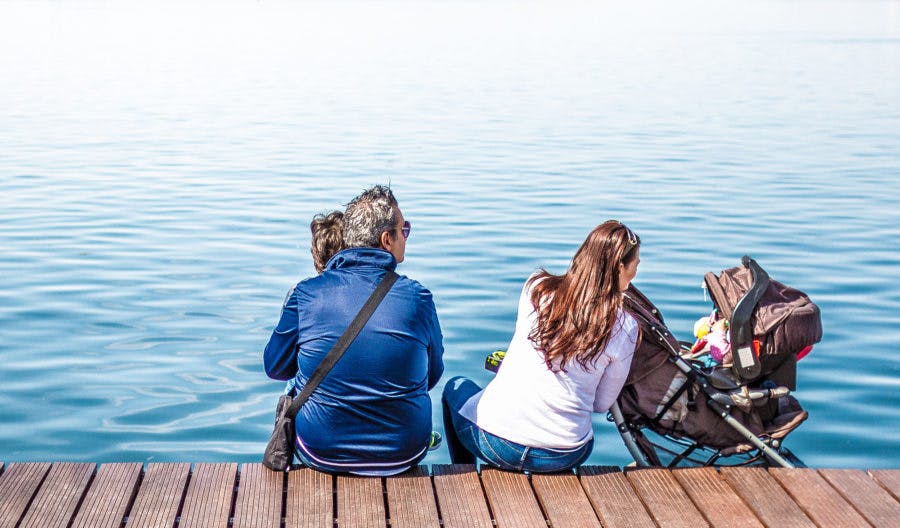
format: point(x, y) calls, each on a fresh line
point(386, 241)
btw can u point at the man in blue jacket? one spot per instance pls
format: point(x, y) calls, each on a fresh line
point(371, 415)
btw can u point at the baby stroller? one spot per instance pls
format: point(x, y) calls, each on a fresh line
point(677, 410)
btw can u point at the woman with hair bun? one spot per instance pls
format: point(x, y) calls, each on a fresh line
point(327, 238)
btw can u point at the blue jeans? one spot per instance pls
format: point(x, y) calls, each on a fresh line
point(466, 440)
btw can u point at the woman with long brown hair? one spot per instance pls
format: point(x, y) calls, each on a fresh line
point(568, 358)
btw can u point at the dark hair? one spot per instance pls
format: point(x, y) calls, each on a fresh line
point(577, 311)
point(327, 237)
point(368, 215)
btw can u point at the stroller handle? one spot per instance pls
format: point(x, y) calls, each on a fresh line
point(746, 360)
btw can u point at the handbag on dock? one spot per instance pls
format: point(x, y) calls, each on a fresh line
point(280, 449)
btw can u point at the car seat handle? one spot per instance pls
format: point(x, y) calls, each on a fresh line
point(746, 359)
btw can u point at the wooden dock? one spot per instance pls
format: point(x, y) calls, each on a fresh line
point(181, 495)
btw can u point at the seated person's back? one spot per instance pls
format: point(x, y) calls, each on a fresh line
point(372, 413)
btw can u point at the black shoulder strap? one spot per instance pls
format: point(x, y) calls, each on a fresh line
point(346, 338)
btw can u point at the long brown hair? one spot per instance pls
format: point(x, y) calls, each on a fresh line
point(577, 311)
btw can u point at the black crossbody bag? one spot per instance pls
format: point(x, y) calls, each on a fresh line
point(280, 449)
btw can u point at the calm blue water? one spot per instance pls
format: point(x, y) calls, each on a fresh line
point(159, 164)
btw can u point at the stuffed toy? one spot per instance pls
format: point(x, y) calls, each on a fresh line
point(712, 336)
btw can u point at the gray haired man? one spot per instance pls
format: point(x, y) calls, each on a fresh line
point(372, 414)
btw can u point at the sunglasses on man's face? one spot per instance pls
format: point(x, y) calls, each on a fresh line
point(405, 229)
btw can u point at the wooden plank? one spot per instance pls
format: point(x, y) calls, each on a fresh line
point(869, 499)
point(511, 499)
point(56, 501)
point(411, 499)
point(822, 503)
point(259, 497)
point(768, 500)
point(614, 498)
point(310, 499)
point(667, 502)
point(563, 500)
point(460, 496)
point(889, 479)
point(18, 484)
point(721, 506)
point(159, 495)
point(68, 494)
point(360, 502)
point(208, 500)
point(109, 497)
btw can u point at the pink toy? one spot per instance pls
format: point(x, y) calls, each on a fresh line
point(712, 335)
point(719, 346)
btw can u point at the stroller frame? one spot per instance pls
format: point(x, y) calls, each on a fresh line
point(719, 400)
point(629, 433)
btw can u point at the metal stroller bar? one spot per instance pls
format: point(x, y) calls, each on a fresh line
point(627, 437)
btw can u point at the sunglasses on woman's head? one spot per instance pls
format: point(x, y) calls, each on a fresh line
point(632, 238)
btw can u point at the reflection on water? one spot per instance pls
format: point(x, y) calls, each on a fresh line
point(159, 167)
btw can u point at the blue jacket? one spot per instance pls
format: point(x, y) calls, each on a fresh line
point(372, 411)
